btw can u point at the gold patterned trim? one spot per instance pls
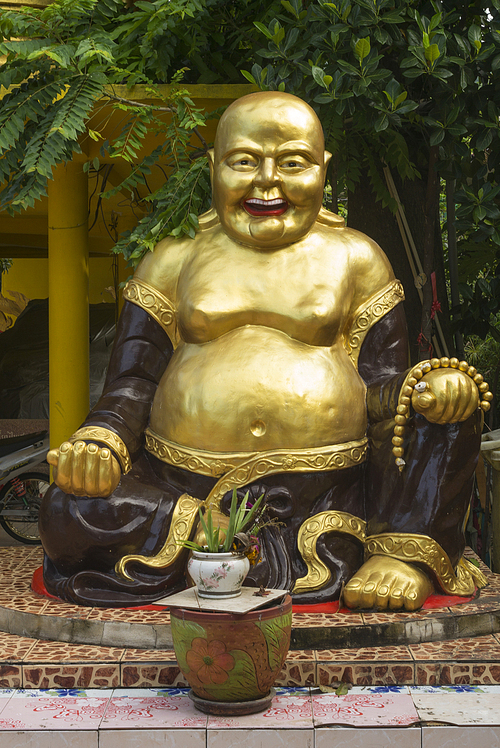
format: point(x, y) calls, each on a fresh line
point(185, 513)
point(212, 464)
point(368, 314)
point(155, 304)
point(107, 437)
point(318, 574)
point(238, 470)
point(424, 550)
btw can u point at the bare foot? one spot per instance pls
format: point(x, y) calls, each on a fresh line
point(384, 582)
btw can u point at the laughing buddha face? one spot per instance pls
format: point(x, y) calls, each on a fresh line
point(268, 169)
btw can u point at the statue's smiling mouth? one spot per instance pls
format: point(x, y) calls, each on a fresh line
point(257, 207)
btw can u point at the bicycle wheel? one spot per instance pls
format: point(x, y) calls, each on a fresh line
point(19, 514)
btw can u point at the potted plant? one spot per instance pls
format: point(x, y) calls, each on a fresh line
point(219, 566)
point(230, 660)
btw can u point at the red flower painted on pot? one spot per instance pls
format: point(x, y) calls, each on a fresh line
point(210, 661)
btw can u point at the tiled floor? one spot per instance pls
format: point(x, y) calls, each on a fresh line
point(369, 717)
point(120, 697)
point(29, 662)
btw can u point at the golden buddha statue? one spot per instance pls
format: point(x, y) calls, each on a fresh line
point(269, 353)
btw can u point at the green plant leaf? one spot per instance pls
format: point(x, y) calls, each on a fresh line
point(362, 48)
point(436, 137)
point(432, 53)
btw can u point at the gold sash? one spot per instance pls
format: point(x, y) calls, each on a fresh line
point(236, 469)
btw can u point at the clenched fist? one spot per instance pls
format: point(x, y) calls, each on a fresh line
point(445, 396)
point(85, 469)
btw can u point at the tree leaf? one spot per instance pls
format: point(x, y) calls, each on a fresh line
point(432, 53)
point(362, 48)
point(484, 139)
point(436, 137)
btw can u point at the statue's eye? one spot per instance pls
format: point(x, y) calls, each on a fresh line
point(242, 163)
point(294, 164)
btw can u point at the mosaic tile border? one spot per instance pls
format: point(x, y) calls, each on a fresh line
point(466, 662)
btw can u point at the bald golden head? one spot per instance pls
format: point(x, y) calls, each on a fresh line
point(268, 169)
point(272, 114)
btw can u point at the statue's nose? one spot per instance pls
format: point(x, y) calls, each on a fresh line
point(267, 173)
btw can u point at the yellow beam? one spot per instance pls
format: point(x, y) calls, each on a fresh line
point(196, 91)
point(68, 301)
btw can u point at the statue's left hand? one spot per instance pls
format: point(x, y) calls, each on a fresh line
point(450, 396)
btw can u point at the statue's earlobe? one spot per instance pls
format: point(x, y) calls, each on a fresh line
point(328, 156)
point(211, 157)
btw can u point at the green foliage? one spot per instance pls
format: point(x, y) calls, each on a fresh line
point(242, 519)
point(5, 264)
point(388, 78)
point(63, 64)
point(393, 79)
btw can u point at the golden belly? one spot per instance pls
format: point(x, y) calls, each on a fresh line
point(257, 389)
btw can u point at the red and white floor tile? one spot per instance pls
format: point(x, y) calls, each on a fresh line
point(365, 717)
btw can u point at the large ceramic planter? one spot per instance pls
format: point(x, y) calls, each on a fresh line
point(218, 575)
point(230, 657)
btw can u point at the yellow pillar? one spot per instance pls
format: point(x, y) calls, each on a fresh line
point(68, 301)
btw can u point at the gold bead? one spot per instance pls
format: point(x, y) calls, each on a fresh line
point(435, 363)
point(454, 363)
point(399, 430)
point(426, 366)
point(412, 382)
point(478, 378)
point(418, 373)
point(463, 365)
point(488, 396)
point(405, 400)
point(472, 371)
point(400, 420)
point(483, 387)
point(407, 391)
point(402, 410)
point(398, 451)
point(445, 362)
point(483, 405)
point(397, 441)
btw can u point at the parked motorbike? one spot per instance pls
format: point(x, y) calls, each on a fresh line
point(24, 479)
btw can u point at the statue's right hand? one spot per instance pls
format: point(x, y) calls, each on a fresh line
point(85, 469)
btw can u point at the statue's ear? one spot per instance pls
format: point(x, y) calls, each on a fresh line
point(211, 157)
point(328, 156)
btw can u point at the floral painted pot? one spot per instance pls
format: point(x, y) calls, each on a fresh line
point(231, 657)
point(218, 575)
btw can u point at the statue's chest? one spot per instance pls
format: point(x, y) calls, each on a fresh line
point(302, 301)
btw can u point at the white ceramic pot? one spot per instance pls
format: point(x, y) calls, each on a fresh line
point(218, 574)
